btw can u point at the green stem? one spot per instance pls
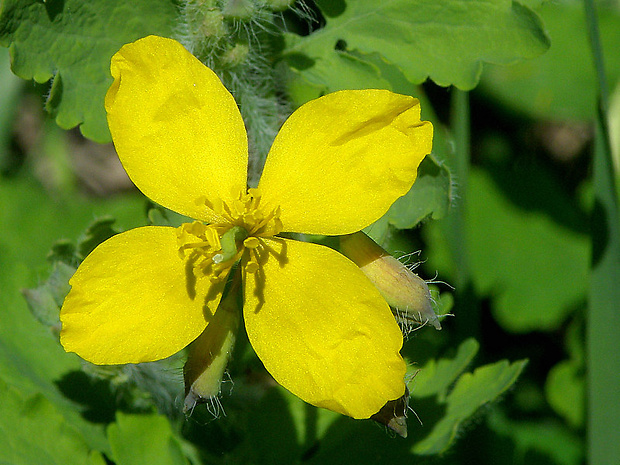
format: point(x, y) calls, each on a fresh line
point(460, 127)
point(603, 327)
point(597, 53)
point(467, 321)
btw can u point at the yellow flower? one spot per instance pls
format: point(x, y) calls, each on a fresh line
point(317, 323)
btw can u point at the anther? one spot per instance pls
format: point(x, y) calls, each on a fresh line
point(252, 267)
point(251, 242)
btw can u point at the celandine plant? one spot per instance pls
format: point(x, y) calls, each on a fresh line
point(317, 323)
point(312, 315)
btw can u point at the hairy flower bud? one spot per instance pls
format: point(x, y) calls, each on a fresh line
point(394, 414)
point(209, 355)
point(404, 291)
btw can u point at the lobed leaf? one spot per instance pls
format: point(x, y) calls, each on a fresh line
point(561, 84)
point(447, 41)
point(436, 376)
point(428, 198)
point(472, 390)
point(71, 42)
point(46, 299)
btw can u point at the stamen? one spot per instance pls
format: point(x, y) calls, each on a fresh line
point(213, 249)
point(252, 267)
point(218, 206)
point(251, 242)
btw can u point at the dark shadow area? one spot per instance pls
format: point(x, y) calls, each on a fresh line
point(363, 441)
point(272, 432)
point(532, 186)
point(95, 396)
point(331, 8)
point(263, 254)
point(299, 61)
point(483, 445)
point(190, 278)
point(257, 422)
point(511, 147)
point(12, 161)
point(54, 8)
point(219, 436)
point(55, 95)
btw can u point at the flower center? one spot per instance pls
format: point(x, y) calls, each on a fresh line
point(213, 249)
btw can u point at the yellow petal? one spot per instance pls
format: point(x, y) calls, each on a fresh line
point(322, 330)
point(131, 300)
point(340, 161)
point(177, 130)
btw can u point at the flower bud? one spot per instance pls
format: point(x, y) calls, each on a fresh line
point(209, 354)
point(394, 414)
point(404, 291)
point(235, 55)
point(213, 26)
point(241, 10)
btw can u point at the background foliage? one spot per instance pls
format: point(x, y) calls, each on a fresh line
point(501, 210)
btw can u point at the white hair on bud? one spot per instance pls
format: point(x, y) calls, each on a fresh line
point(409, 378)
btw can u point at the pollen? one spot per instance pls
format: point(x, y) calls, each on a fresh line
point(246, 211)
point(213, 249)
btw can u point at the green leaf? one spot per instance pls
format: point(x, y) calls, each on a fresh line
point(31, 359)
point(63, 251)
point(565, 385)
point(565, 391)
point(72, 42)
point(98, 232)
point(45, 300)
point(140, 439)
point(34, 432)
point(428, 198)
point(436, 376)
point(274, 435)
point(472, 390)
point(526, 241)
point(447, 41)
point(330, 69)
point(551, 86)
